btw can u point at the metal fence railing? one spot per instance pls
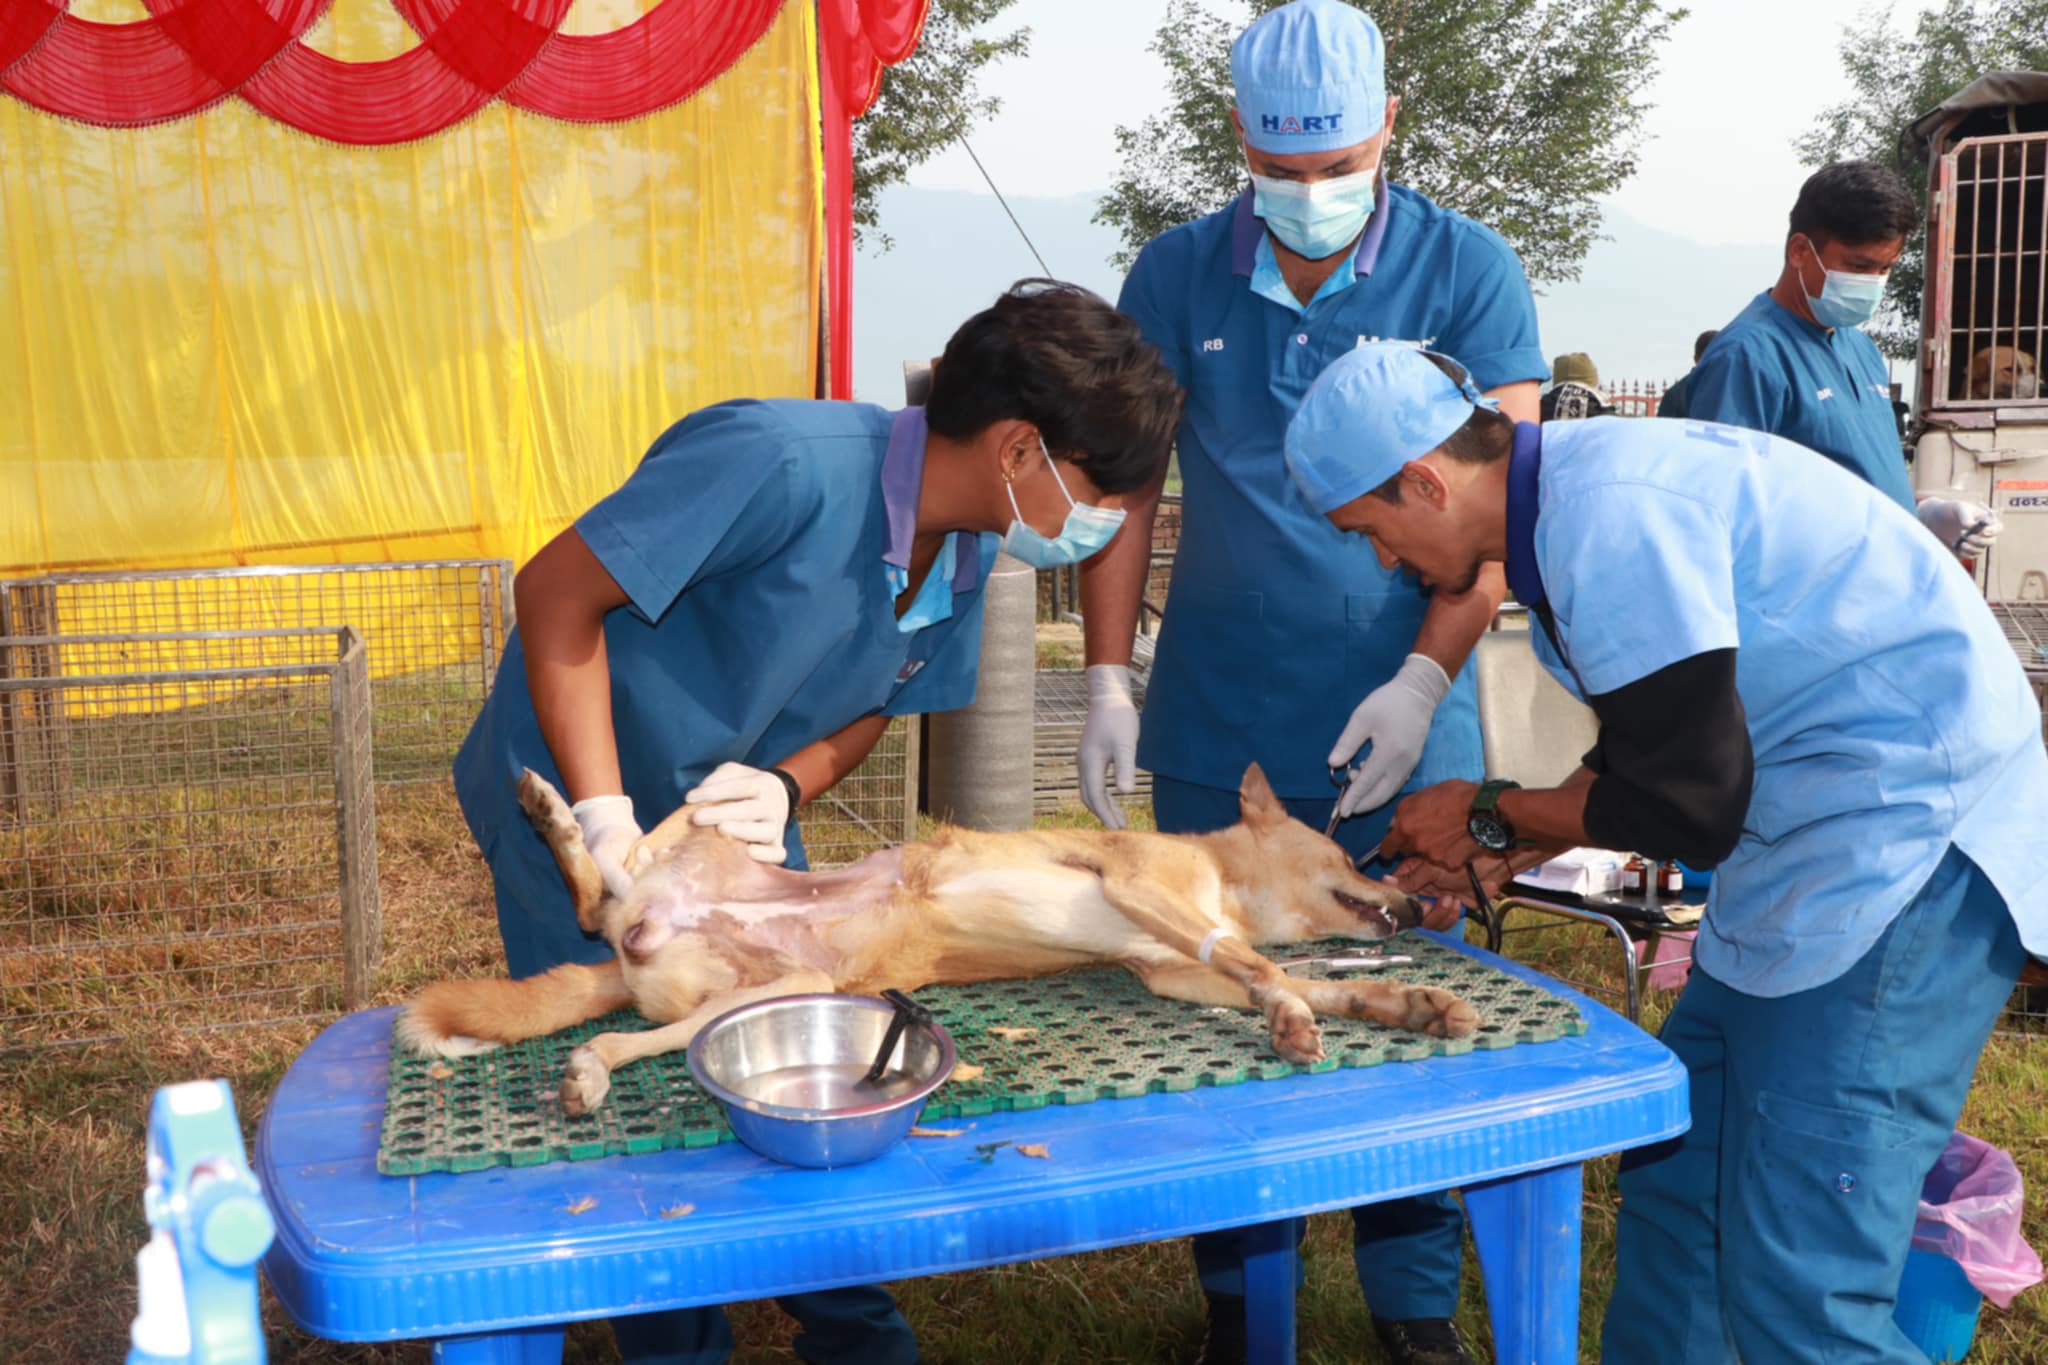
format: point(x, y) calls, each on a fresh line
point(432, 631)
point(873, 806)
point(187, 832)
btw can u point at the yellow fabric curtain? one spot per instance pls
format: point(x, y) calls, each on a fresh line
point(226, 342)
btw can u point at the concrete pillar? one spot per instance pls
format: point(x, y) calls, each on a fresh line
point(979, 766)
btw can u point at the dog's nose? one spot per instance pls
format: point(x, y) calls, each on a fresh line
point(1412, 912)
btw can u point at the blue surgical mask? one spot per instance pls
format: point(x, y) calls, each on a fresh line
point(1087, 529)
point(1845, 300)
point(1318, 219)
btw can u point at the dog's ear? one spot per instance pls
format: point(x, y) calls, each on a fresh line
point(1256, 804)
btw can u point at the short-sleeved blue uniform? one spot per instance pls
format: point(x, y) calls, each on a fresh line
point(1823, 388)
point(1276, 624)
point(1863, 935)
point(754, 543)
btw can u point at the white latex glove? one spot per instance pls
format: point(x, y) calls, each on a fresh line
point(1111, 734)
point(750, 804)
point(1394, 719)
point(1967, 528)
point(609, 833)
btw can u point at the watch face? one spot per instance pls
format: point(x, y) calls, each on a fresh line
point(1489, 832)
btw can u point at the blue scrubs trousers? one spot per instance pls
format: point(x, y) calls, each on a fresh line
point(1409, 1251)
point(857, 1325)
point(1776, 1229)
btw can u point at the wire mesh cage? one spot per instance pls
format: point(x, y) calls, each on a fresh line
point(1990, 326)
point(433, 631)
point(873, 806)
point(187, 832)
point(2026, 626)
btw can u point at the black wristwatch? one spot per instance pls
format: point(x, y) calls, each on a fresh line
point(1487, 826)
point(796, 794)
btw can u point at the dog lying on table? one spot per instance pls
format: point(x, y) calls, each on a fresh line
point(704, 928)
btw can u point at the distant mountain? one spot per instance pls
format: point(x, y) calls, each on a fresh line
point(1640, 300)
point(954, 252)
point(1644, 294)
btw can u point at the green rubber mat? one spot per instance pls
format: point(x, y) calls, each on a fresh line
point(1065, 1039)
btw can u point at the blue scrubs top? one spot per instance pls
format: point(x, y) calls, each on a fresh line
point(1826, 389)
point(1888, 716)
point(1277, 624)
point(755, 543)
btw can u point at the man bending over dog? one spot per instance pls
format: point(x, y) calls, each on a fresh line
point(734, 627)
point(1795, 682)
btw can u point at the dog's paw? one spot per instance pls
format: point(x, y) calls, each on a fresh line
point(544, 805)
point(585, 1084)
point(1292, 1025)
point(1439, 1013)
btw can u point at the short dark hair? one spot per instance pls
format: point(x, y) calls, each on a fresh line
point(1856, 202)
point(1702, 341)
point(1061, 358)
point(1488, 434)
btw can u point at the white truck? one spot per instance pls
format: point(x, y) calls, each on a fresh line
point(1981, 415)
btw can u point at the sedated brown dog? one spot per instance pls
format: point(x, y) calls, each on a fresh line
point(2002, 372)
point(705, 928)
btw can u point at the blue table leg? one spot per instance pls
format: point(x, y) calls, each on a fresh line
point(1526, 1229)
point(520, 1346)
point(1271, 1266)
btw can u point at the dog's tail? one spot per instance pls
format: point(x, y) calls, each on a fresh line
point(463, 1018)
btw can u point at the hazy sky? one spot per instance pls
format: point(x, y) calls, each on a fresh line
point(1738, 81)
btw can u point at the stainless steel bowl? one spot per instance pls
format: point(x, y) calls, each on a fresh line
point(791, 1075)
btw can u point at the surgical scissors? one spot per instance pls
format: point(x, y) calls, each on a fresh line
point(1340, 778)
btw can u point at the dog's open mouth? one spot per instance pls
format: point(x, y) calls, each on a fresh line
point(1372, 914)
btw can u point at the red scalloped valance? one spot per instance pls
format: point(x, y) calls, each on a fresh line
point(190, 54)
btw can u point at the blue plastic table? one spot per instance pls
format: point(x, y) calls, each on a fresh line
point(493, 1263)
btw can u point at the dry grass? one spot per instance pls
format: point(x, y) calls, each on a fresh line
point(71, 1135)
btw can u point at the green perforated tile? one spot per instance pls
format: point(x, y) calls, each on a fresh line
point(1091, 1035)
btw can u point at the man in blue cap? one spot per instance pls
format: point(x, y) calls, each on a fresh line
point(1281, 643)
point(1797, 364)
point(1795, 682)
point(733, 628)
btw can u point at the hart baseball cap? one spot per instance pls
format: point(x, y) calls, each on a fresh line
point(1375, 409)
point(1310, 77)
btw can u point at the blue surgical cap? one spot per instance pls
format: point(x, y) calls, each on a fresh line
point(1375, 409)
point(1310, 77)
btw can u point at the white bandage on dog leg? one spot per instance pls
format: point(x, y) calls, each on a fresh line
point(1209, 941)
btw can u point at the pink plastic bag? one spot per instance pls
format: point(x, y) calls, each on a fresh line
point(1970, 1213)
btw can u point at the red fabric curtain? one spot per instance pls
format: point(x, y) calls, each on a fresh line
point(192, 53)
point(859, 38)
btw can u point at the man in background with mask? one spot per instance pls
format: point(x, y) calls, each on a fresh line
point(1795, 363)
point(1276, 626)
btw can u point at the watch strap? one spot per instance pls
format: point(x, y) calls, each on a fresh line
point(1487, 798)
point(796, 794)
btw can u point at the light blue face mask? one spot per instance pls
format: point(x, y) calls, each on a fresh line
point(1845, 300)
point(1318, 219)
point(1087, 529)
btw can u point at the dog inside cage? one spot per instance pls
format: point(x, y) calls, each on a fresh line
point(1997, 295)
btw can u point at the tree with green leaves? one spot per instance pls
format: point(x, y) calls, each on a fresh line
point(929, 101)
point(1898, 76)
point(1518, 113)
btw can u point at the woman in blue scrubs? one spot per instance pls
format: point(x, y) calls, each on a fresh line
point(734, 627)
